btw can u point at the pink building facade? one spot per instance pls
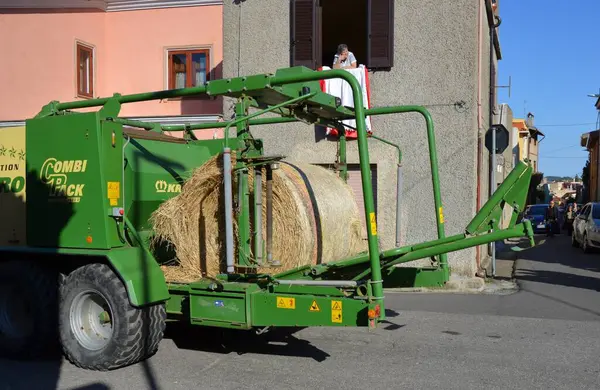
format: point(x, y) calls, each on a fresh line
point(82, 49)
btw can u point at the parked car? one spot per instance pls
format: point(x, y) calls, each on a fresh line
point(586, 227)
point(536, 213)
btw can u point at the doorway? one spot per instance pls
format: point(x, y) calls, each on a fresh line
point(343, 21)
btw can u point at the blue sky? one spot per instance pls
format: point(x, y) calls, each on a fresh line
point(551, 49)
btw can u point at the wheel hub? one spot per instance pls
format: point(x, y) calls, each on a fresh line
point(91, 320)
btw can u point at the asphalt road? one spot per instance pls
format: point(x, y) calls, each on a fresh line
point(546, 336)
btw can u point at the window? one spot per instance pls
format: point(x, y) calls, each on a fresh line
point(188, 68)
point(85, 71)
point(315, 32)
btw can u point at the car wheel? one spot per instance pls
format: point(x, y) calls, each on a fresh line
point(584, 245)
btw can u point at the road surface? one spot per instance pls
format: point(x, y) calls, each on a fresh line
point(546, 336)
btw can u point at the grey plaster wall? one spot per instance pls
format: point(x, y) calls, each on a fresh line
point(436, 64)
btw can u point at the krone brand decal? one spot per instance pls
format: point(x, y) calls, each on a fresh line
point(164, 187)
point(57, 175)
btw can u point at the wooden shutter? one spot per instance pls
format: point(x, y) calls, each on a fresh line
point(380, 42)
point(304, 39)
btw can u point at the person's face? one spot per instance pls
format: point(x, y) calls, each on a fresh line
point(344, 54)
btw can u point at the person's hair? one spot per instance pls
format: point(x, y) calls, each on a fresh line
point(341, 48)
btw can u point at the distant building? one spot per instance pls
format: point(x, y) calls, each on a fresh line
point(527, 145)
point(590, 142)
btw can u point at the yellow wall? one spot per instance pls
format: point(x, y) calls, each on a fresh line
point(12, 186)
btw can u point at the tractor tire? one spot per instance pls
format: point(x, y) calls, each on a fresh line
point(28, 311)
point(99, 329)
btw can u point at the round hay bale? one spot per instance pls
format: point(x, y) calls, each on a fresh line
point(315, 220)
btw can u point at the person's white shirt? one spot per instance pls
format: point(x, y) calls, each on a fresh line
point(350, 60)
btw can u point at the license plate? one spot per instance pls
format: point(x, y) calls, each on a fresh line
point(541, 225)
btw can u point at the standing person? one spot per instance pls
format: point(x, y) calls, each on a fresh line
point(570, 215)
point(551, 217)
point(344, 59)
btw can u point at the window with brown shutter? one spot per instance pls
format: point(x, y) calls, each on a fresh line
point(304, 32)
point(318, 26)
point(380, 43)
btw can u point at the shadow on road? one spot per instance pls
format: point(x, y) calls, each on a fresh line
point(561, 273)
point(555, 261)
point(278, 342)
point(559, 278)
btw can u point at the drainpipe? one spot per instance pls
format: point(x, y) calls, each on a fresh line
point(493, 163)
point(479, 123)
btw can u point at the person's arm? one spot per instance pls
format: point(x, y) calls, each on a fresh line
point(336, 62)
point(353, 63)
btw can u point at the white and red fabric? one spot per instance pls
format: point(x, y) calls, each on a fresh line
point(341, 88)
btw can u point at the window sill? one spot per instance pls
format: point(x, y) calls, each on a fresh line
point(87, 97)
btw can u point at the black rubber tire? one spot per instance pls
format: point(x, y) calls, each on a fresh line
point(37, 294)
point(136, 333)
point(584, 244)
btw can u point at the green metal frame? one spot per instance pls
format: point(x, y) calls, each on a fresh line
point(346, 292)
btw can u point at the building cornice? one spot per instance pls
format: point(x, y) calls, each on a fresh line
point(132, 5)
point(104, 5)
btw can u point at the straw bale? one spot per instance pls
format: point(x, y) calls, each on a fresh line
point(315, 220)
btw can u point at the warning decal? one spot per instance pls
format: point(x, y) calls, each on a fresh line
point(314, 306)
point(373, 222)
point(286, 303)
point(336, 311)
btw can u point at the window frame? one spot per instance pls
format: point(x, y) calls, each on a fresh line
point(188, 51)
point(79, 47)
point(306, 34)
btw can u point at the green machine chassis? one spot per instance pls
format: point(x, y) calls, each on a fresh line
point(348, 292)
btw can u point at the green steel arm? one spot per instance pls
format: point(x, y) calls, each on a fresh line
point(433, 160)
point(261, 112)
point(363, 153)
point(512, 191)
point(217, 125)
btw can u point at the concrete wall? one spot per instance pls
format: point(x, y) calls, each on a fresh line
point(441, 57)
point(39, 59)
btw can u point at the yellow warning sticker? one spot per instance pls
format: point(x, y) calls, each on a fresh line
point(373, 224)
point(441, 215)
point(314, 307)
point(113, 202)
point(286, 303)
point(336, 311)
point(114, 191)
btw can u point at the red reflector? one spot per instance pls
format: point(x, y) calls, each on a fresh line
point(89, 239)
point(121, 211)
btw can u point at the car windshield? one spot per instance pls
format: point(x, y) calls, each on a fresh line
point(539, 210)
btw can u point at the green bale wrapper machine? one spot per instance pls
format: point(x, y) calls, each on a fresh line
point(82, 185)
